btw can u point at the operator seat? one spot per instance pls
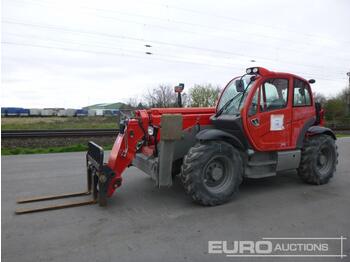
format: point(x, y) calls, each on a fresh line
point(276, 104)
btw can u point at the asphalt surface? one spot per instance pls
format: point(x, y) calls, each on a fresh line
point(143, 223)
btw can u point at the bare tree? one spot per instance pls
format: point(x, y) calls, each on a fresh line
point(162, 96)
point(132, 102)
point(320, 98)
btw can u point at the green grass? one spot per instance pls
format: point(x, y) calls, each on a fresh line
point(63, 149)
point(40, 123)
point(342, 135)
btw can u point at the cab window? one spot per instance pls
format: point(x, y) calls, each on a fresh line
point(274, 94)
point(253, 109)
point(302, 95)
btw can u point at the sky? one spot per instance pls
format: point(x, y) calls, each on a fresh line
point(76, 53)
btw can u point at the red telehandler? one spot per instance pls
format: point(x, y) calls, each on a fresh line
point(264, 122)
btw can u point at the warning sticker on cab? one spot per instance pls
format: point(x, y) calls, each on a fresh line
point(276, 122)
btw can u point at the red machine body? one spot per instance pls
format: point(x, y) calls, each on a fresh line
point(125, 146)
point(295, 117)
point(260, 137)
point(264, 122)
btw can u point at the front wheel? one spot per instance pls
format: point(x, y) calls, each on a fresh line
point(212, 172)
point(318, 159)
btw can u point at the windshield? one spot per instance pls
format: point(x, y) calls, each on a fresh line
point(230, 92)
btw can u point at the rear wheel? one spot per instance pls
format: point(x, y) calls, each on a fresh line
point(318, 160)
point(212, 172)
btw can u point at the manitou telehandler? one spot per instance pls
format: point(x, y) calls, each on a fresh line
point(264, 122)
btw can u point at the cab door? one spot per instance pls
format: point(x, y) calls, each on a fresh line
point(304, 111)
point(269, 115)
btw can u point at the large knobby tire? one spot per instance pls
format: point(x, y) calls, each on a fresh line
point(212, 172)
point(319, 158)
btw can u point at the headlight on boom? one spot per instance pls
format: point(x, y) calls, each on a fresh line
point(150, 130)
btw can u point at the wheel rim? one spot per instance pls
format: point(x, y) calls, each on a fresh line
point(217, 174)
point(324, 161)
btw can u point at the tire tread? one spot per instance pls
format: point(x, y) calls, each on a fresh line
point(306, 170)
point(193, 163)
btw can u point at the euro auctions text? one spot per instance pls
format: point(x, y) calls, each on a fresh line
point(280, 247)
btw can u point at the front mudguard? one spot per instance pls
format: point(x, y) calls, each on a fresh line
point(217, 134)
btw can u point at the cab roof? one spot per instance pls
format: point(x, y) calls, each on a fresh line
point(267, 73)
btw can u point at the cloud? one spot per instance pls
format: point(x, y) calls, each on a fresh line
point(71, 54)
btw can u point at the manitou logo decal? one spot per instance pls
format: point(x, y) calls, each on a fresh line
point(280, 247)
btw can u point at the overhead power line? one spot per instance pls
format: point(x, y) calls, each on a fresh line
point(55, 28)
point(114, 47)
point(138, 57)
point(193, 11)
point(162, 27)
point(247, 22)
point(115, 54)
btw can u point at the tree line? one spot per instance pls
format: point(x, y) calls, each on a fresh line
point(337, 108)
point(204, 95)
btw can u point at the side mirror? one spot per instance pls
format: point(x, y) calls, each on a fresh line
point(312, 81)
point(239, 85)
point(179, 88)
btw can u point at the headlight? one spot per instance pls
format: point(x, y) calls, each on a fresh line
point(150, 130)
point(252, 70)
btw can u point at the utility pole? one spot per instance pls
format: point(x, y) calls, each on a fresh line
point(348, 96)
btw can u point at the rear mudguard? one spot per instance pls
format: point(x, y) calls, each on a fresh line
point(217, 134)
point(316, 130)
